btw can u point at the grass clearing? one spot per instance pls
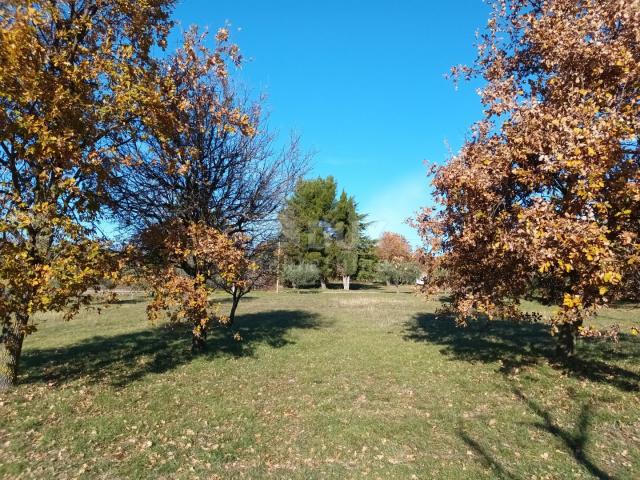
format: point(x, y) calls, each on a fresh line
point(324, 385)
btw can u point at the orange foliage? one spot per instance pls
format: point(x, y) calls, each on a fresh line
point(394, 248)
point(544, 199)
point(181, 261)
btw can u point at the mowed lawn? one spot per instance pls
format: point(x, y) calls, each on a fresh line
point(360, 384)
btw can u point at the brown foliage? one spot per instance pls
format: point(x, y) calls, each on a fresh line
point(181, 261)
point(544, 198)
point(72, 81)
point(393, 247)
point(204, 156)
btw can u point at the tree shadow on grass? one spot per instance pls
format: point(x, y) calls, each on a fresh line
point(486, 457)
point(227, 299)
point(518, 345)
point(125, 358)
point(575, 441)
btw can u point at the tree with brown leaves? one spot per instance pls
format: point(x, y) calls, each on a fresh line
point(207, 160)
point(180, 260)
point(73, 81)
point(544, 198)
point(393, 247)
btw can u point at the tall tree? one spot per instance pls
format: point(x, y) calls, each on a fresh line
point(72, 84)
point(545, 196)
point(208, 162)
point(306, 224)
point(346, 235)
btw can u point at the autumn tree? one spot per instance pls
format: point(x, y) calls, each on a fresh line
point(393, 247)
point(397, 263)
point(544, 198)
point(208, 162)
point(179, 260)
point(72, 83)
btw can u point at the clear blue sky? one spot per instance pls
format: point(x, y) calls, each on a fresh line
point(363, 83)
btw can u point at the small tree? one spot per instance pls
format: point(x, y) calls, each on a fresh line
point(302, 275)
point(180, 260)
point(208, 159)
point(399, 273)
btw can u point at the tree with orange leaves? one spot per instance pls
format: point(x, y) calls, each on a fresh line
point(544, 198)
point(204, 165)
point(393, 247)
point(180, 261)
point(73, 81)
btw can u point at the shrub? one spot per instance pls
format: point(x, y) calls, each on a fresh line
point(302, 275)
point(399, 273)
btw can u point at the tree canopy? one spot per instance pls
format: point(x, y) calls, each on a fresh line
point(74, 83)
point(321, 230)
point(544, 198)
point(207, 161)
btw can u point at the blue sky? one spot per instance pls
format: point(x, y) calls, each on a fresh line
point(363, 83)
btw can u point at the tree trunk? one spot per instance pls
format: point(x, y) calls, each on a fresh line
point(397, 288)
point(388, 283)
point(199, 337)
point(234, 305)
point(10, 350)
point(566, 346)
point(323, 283)
point(345, 282)
point(199, 341)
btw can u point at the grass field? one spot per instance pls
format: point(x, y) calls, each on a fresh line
point(361, 384)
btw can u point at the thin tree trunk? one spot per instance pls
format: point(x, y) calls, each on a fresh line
point(10, 350)
point(323, 283)
point(345, 282)
point(566, 346)
point(198, 338)
point(234, 305)
point(388, 283)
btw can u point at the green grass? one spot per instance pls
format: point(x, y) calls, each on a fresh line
point(357, 384)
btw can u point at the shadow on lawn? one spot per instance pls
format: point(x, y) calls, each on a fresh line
point(575, 439)
point(521, 344)
point(486, 457)
point(124, 358)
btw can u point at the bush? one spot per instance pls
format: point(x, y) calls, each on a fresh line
point(401, 273)
point(302, 275)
